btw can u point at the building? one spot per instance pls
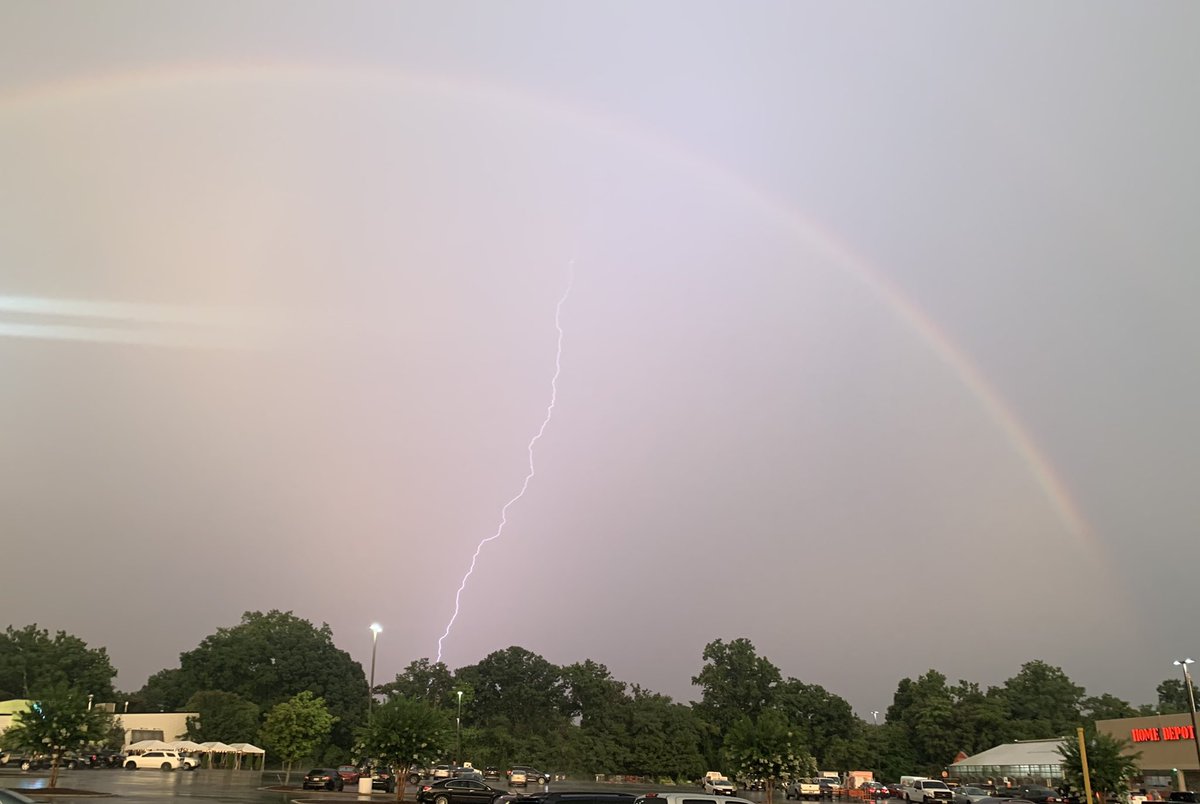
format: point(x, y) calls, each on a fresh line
point(1166, 744)
point(1021, 762)
point(138, 726)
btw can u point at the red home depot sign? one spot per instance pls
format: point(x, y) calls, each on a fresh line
point(1165, 733)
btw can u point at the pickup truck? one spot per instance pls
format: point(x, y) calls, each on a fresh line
point(803, 788)
point(923, 790)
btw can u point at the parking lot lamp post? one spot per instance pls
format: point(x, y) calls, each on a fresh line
point(1187, 680)
point(375, 629)
point(458, 729)
point(875, 716)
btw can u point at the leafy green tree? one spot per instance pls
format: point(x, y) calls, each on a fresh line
point(518, 690)
point(890, 753)
point(268, 658)
point(405, 733)
point(425, 681)
point(1110, 766)
point(659, 738)
point(223, 717)
point(1042, 701)
point(767, 748)
point(826, 722)
point(980, 719)
point(31, 662)
point(1105, 707)
point(924, 711)
point(167, 690)
point(295, 728)
point(1173, 696)
point(735, 682)
point(57, 721)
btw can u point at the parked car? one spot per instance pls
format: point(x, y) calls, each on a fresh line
point(492, 772)
point(164, 760)
point(807, 788)
point(322, 779)
point(719, 786)
point(1184, 797)
point(103, 758)
point(441, 772)
point(458, 791)
point(349, 774)
point(875, 790)
point(684, 798)
point(922, 791)
point(466, 772)
point(1037, 794)
point(971, 794)
point(830, 788)
point(383, 779)
point(532, 774)
point(517, 778)
point(9, 796)
point(754, 784)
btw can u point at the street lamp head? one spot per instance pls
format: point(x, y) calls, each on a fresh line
point(376, 628)
point(1184, 662)
point(460, 696)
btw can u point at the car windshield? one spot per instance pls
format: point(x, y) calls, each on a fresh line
point(934, 786)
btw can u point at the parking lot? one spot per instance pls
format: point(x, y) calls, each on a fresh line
point(243, 787)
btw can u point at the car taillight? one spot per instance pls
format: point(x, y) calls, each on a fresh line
point(426, 789)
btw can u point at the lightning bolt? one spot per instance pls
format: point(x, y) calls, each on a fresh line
point(529, 449)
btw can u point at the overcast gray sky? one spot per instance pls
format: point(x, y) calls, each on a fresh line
point(880, 350)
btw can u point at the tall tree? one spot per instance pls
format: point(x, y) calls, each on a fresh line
point(662, 739)
point(1110, 766)
point(735, 681)
point(924, 711)
point(56, 722)
point(404, 734)
point(425, 681)
point(1173, 696)
point(767, 748)
point(32, 661)
point(518, 690)
point(295, 728)
point(1043, 701)
point(981, 719)
point(1105, 707)
point(267, 658)
point(826, 722)
point(223, 717)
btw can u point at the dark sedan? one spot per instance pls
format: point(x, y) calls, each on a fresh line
point(322, 779)
point(458, 791)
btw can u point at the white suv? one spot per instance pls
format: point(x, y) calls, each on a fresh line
point(166, 760)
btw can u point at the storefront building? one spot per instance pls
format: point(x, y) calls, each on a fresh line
point(1020, 762)
point(1167, 746)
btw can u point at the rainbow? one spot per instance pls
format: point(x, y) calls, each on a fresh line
point(789, 218)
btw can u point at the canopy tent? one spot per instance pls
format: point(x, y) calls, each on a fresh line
point(246, 749)
point(216, 747)
point(149, 745)
point(186, 745)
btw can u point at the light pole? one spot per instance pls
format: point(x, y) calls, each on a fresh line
point(1187, 680)
point(875, 716)
point(458, 728)
point(375, 629)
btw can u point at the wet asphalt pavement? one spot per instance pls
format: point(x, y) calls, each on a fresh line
point(233, 787)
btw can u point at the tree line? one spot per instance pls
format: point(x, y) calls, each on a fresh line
point(274, 670)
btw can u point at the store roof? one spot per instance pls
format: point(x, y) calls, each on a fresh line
point(1022, 752)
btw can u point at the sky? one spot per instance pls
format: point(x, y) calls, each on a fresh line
point(878, 344)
